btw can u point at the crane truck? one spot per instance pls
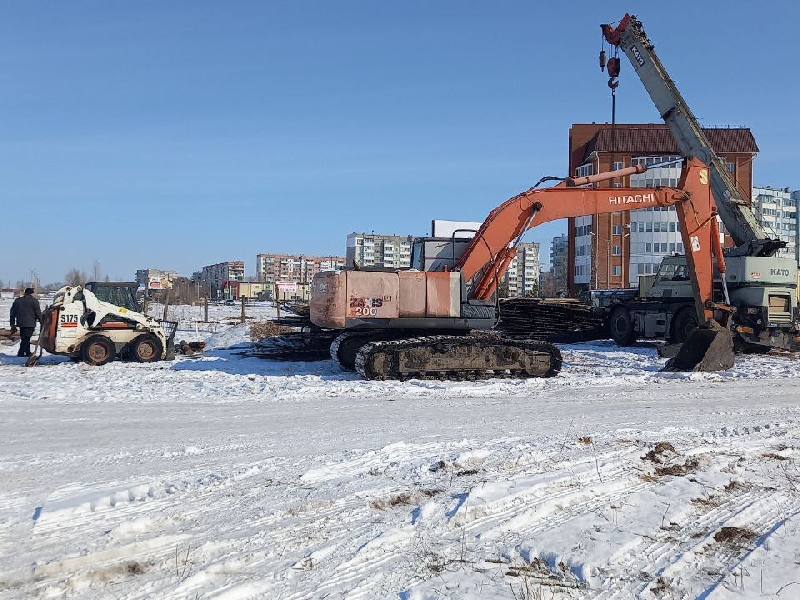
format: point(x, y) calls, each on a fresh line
point(761, 286)
point(426, 323)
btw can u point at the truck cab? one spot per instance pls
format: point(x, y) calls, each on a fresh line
point(671, 281)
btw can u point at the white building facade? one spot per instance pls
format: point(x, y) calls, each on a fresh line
point(522, 275)
point(776, 211)
point(378, 250)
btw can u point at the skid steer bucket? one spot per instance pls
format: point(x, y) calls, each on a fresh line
point(706, 349)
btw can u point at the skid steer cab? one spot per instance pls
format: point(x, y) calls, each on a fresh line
point(99, 322)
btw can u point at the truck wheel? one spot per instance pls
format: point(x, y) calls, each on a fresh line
point(98, 350)
point(145, 348)
point(621, 325)
point(683, 325)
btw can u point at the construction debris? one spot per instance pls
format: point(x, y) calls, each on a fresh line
point(263, 329)
point(191, 348)
point(552, 319)
point(295, 346)
point(8, 338)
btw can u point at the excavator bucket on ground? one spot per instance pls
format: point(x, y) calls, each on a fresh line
point(706, 349)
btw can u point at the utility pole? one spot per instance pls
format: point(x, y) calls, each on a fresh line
point(243, 315)
point(166, 303)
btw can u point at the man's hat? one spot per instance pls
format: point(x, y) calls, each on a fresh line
point(28, 290)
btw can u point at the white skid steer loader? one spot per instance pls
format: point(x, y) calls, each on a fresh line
point(101, 321)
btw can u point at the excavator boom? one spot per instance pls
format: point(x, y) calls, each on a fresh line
point(487, 256)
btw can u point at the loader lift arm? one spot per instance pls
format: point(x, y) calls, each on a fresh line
point(489, 253)
point(747, 234)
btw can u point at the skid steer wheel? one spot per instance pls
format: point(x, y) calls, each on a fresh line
point(145, 348)
point(621, 325)
point(98, 350)
point(685, 322)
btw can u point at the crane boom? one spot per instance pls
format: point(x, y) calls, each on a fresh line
point(735, 212)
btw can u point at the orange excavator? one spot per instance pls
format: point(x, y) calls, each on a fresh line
point(436, 319)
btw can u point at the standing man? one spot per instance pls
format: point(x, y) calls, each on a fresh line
point(25, 312)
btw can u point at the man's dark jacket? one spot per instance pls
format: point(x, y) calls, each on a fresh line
point(25, 312)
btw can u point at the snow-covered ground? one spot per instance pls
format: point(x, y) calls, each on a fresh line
point(224, 477)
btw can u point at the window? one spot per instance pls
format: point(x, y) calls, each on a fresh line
point(616, 166)
point(648, 226)
point(584, 170)
point(617, 251)
point(664, 247)
point(730, 167)
point(617, 270)
point(641, 226)
point(648, 247)
point(672, 247)
point(640, 269)
point(672, 226)
point(616, 229)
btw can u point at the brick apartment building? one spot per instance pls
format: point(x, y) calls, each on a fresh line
point(294, 267)
point(612, 250)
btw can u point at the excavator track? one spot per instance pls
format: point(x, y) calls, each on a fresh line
point(346, 345)
point(448, 357)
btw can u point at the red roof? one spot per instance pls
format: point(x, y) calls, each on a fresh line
point(657, 139)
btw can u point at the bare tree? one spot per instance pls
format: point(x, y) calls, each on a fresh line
point(2, 284)
point(96, 273)
point(75, 277)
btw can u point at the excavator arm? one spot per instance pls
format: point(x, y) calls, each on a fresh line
point(489, 253)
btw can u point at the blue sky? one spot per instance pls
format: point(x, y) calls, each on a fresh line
point(177, 134)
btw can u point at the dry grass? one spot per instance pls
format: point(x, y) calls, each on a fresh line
point(661, 587)
point(734, 535)
point(679, 470)
point(773, 456)
point(708, 501)
point(736, 486)
point(585, 440)
point(660, 453)
point(404, 499)
point(467, 472)
point(262, 329)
